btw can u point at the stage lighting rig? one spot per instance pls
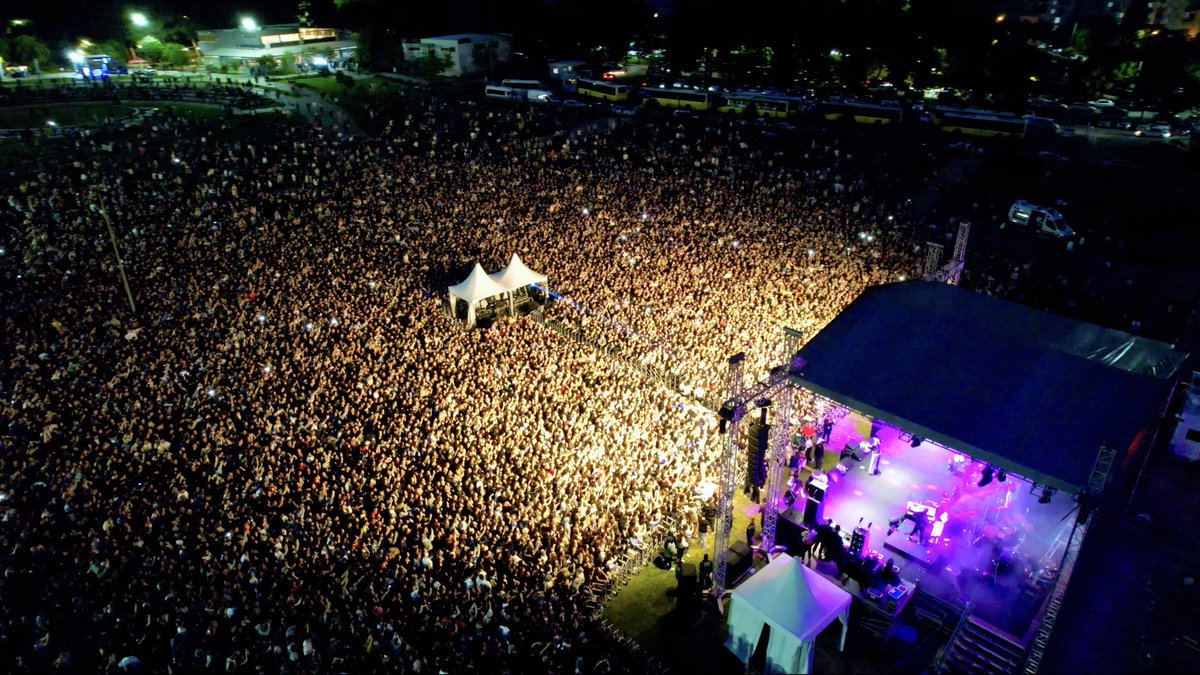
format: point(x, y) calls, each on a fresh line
point(987, 475)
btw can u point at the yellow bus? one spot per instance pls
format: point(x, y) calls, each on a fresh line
point(678, 98)
point(609, 91)
point(863, 113)
point(973, 124)
point(767, 106)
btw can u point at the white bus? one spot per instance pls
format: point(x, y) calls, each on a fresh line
point(510, 94)
point(522, 84)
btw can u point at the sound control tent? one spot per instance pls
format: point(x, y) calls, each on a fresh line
point(796, 603)
point(478, 286)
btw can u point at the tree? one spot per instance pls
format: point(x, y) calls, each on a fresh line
point(113, 48)
point(24, 50)
point(287, 63)
point(151, 49)
point(175, 55)
point(432, 65)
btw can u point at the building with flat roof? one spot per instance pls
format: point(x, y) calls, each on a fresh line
point(247, 47)
point(467, 53)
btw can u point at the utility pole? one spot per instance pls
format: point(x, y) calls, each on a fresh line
point(117, 253)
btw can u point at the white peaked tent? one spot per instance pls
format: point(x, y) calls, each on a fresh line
point(796, 602)
point(476, 287)
point(517, 275)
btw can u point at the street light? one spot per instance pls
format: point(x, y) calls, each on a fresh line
point(139, 19)
point(249, 24)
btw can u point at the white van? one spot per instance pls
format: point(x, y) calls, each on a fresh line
point(540, 96)
point(1040, 219)
point(506, 93)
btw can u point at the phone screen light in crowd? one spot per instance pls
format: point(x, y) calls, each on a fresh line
point(735, 243)
point(262, 318)
point(372, 284)
point(870, 238)
point(175, 159)
point(212, 393)
point(891, 218)
point(586, 211)
point(811, 252)
point(267, 369)
point(309, 325)
point(903, 278)
point(333, 321)
point(645, 217)
point(3, 251)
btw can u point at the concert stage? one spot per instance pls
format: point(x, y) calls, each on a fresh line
point(996, 545)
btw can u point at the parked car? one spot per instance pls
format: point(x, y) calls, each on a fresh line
point(1101, 103)
point(1153, 131)
point(574, 103)
point(624, 110)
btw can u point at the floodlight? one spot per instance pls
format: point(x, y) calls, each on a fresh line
point(139, 19)
point(249, 24)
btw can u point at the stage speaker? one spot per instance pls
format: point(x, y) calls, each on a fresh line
point(789, 531)
point(814, 512)
point(738, 562)
point(689, 583)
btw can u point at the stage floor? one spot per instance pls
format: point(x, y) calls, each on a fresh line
point(997, 536)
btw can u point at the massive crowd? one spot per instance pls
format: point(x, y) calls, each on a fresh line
point(288, 459)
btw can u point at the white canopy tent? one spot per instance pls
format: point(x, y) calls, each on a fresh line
point(796, 602)
point(478, 286)
point(517, 275)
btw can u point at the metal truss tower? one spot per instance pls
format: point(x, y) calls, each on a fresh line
point(955, 268)
point(777, 389)
point(933, 260)
point(781, 442)
point(731, 417)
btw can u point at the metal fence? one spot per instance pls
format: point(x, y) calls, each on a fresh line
point(666, 379)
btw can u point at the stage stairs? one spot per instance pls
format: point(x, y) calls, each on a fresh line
point(978, 648)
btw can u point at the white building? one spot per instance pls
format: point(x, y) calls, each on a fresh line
point(244, 46)
point(468, 53)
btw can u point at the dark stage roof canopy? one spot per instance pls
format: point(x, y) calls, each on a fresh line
point(1023, 389)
